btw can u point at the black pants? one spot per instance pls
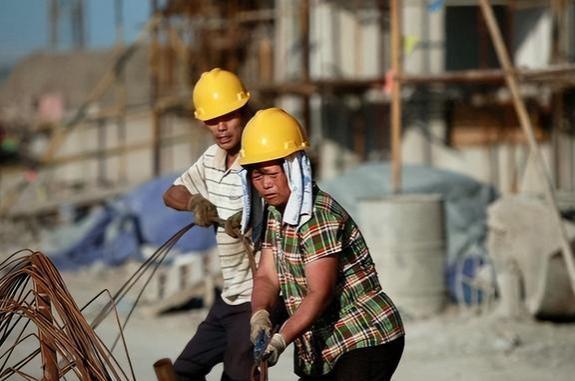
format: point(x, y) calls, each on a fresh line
point(223, 336)
point(366, 364)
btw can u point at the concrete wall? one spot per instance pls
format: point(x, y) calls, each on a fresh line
point(345, 42)
point(349, 43)
point(424, 40)
point(183, 142)
point(501, 165)
point(532, 36)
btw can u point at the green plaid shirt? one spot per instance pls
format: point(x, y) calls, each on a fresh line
point(361, 314)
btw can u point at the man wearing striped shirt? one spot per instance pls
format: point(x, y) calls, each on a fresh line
point(212, 188)
point(343, 325)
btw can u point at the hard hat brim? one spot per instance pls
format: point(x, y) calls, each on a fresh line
point(270, 156)
point(224, 110)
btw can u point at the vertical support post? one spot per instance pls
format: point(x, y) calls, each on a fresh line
point(557, 110)
point(232, 59)
point(397, 70)
point(121, 94)
point(44, 306)
point(558, 55)
point(102, 178)
point(119, 20)
point(305, 62)
point(265, 55)
point(154, 93)
point(78, 30)
point(512, 84)
point(54, 23)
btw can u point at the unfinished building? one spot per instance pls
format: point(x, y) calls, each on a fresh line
point(89, 124)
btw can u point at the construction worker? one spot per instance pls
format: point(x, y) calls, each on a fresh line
point(212, 188)
point(343, 325)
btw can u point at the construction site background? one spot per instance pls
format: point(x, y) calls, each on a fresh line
point(88, 138)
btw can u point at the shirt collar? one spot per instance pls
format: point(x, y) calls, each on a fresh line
point(276, 213)
point(220, 161)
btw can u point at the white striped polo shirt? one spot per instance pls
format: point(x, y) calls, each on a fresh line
point(209, 177)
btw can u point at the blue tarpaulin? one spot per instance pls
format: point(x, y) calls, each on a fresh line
point(158, 222)
point(115, 232)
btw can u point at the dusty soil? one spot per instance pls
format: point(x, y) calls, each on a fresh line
point(458, 344)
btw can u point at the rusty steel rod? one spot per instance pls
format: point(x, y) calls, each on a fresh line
point(44, 306)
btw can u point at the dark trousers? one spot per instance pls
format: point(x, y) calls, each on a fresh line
point(366, 364)
point(223, 336)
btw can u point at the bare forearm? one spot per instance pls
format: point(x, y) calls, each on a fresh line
point(321, 278)
point(264, 294)
point(311, 308)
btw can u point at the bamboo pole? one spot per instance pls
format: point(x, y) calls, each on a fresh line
point(511, 80)
point(397, 69)
point(121, 92)
point(305, 63)
point(556, 73)
point(154, 92)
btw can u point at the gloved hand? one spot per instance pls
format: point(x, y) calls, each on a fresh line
point(204, 211)
point(275, 348)
point(233, 225)
point(260, 321)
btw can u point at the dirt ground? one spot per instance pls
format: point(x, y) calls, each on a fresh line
point(456, 345)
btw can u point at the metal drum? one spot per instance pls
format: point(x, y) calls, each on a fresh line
point(406, 238)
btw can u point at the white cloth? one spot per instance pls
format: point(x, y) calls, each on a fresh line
point(253, 209)
point(297, 168)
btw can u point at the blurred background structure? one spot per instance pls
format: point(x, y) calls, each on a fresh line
point(94, 121)
point(412, 112)
point(414, 83)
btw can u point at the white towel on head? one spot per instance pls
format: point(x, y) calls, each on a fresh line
point(297, 168)
point(253, 209)
point(246, 200)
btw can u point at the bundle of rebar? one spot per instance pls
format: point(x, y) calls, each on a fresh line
point(32, 292)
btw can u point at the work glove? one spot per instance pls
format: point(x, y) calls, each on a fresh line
point(260, 321)
point(275, 348)
point(233, 225)
point(205, 212)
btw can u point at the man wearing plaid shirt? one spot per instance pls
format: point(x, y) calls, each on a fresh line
point(344, 327)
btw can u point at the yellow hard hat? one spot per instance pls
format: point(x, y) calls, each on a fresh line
point(217, 93)
point(271, 134)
